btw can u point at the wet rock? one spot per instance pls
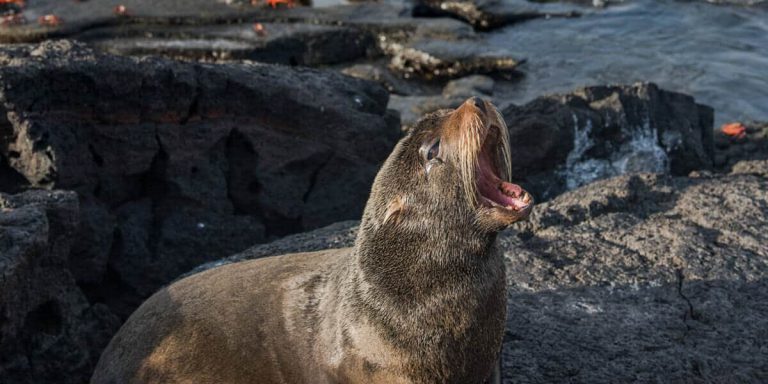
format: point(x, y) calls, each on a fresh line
point(642, 276)
point(393, 82)
point(440, 59)
point(50, 333)
point(279, 43)
point(475, 85)
point(485, 15)
point(564, 141)
point(746, 3)
point(753, 144)
point(179, 163)
point(455, 92)
point(76, 17)
point(233, 31)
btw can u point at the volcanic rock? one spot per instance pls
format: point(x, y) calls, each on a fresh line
point(49, 332)
point(564, 141)
point(179, 163)
point(753, 144)
point(486, 15)
point(455, 92)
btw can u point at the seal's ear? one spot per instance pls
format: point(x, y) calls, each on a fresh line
point(396, 211)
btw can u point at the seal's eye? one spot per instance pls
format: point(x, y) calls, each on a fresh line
point(433, 150)
point(429, 152)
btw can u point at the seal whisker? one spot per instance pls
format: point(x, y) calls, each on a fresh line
point(506, 153)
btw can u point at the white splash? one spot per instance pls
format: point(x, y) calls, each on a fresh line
point(641, 153)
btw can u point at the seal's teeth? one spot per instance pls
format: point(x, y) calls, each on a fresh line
point(526, 197)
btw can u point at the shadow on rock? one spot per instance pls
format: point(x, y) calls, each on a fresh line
point(687, 332)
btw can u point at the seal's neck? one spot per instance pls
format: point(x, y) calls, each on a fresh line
point(418, 263)
point(437, 295)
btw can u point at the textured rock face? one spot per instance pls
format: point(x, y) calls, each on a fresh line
point(49, 333)
point(635, 278)
point(564, 141)
point(643, 278)
point(176, 164)
point(485, 15)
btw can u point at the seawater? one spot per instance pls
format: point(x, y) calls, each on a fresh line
point(716, 53)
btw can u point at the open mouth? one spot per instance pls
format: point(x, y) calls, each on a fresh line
point(493, 190)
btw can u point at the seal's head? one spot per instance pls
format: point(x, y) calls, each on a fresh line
point(452, 170)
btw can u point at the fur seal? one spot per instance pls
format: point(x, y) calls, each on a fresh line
point(419, 298)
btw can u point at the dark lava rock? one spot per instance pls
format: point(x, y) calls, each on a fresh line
point(440, 59)
point(455, 92)
point(564, 141)
point(485, 15)
point(77, 16)
point(379, 71)
point(278, 43)
point(641, 277)
point(177, 163)
point(435, 48)
point(49, 333)
point(753, 144)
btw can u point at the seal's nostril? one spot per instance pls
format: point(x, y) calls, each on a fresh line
point(479, 104)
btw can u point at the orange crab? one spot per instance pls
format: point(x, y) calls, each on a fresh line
point(121, 10)
point(49, 20)
point(274, 3)
point(737, 130)
point(20, 3)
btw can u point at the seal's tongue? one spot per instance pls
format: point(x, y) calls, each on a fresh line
point(497, 191)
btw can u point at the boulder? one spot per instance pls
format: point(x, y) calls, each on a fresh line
point(179, 163)
point(49, 333)
point(567, 140)
point(640, 277)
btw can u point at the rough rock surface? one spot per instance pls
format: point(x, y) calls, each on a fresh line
point(455, 92)
point(564, 141)
point(49, 333)
point(485, 15)
point(753, 144)
point(208, 30)
point(445, 59)
point(176, 164)
point(266, 42)
point(641, 277)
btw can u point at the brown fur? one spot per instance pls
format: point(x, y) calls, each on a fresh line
point(420, 298)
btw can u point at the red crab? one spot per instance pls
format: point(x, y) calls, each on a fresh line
point(19, 3)
point(121, 10)
point(49, 20)
point(274, 3)
point(737, 130)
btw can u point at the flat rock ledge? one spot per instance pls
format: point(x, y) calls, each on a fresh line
point(640, 277)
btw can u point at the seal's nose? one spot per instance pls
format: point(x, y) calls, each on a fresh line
point(479, 103)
